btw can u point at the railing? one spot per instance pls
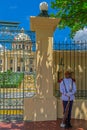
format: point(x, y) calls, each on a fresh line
point(71, 56)
point(17, 69)
point(80, 94)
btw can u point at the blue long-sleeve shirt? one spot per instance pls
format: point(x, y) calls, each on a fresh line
point(67, 87)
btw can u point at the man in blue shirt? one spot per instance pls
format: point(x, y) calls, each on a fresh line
point(68, 90)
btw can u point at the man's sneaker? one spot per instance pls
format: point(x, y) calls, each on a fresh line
point(62, 125)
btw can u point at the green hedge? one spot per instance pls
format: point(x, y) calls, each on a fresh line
point(10, 79)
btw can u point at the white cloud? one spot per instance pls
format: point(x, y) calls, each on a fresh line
point(0, 46)
point(81, 36)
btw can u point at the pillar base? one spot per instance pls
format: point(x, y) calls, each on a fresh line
point(40, 109)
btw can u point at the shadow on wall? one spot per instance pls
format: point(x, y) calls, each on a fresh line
point(80, 109)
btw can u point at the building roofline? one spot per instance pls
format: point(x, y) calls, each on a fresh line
point(8, 23)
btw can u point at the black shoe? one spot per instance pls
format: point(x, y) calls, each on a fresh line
point(69, 125)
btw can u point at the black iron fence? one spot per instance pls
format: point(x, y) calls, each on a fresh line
point(71, 56)
point(17, 69)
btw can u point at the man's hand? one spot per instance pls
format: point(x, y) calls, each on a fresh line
point(68, 95)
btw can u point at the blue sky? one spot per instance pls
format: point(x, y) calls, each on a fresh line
point(21, 10)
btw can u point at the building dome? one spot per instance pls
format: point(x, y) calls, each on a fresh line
point(22, 36)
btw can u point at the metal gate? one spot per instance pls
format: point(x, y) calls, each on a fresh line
point(17, 69)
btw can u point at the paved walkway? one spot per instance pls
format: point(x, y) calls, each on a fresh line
point(44, 125)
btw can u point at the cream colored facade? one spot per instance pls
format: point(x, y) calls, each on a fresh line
point(74, 61)
point(13, 60)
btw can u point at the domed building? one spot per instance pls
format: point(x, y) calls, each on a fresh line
point(22, 41)
point(20, 58)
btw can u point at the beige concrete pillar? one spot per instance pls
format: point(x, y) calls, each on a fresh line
point(43, 105)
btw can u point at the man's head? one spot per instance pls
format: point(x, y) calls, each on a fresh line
point(67, 74)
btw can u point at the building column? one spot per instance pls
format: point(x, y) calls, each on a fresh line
point(6, 63)
point(15, 67)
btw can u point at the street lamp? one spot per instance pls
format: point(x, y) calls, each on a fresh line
point(43, 9)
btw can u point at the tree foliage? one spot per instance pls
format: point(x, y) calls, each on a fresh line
point(73, 13)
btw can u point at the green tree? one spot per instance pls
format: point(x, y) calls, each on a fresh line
point(73, 13)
